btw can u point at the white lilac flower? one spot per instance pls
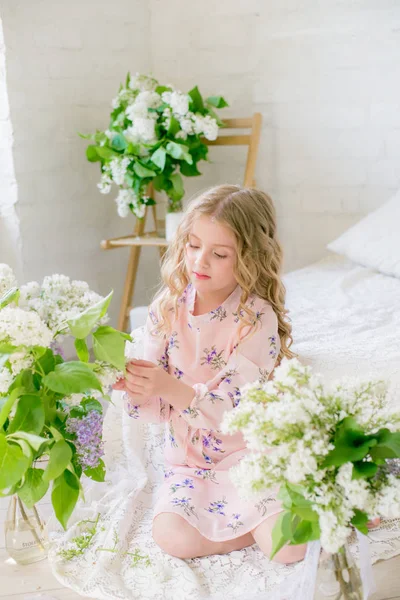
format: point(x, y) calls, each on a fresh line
point(142, 82)
point(333, 534)
point(142, 130)
point(128, 201)
point(20, 361)
point(207, 126)
point(22, 328)
point(58, 299)
point(105, 183)
point(118, 167)
point(7, 279)
point(6, 379)
point(178, 102)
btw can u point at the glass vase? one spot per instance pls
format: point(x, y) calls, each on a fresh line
point(339, 577)
point(25, 533)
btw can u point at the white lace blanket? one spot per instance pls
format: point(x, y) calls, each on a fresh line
point(334, 331)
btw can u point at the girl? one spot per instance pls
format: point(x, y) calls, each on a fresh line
point(217, 323)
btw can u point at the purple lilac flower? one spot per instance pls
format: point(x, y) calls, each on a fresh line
point(57, 349)
point(88, 442)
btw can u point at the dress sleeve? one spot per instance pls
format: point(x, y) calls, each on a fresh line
point(155, 349)
point(252, 359)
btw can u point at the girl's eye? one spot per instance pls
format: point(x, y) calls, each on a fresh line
point(219, 255)
point(196, 247)
point(191, 245)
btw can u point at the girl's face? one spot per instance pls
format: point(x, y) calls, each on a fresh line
point(211, 256)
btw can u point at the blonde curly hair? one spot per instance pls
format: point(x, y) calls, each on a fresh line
point(250, 214)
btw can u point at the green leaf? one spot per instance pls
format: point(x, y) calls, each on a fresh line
point(13, 463)
point(109, 346)
point(159, 157)
point(364, 470)
point(73, 377)
point(351, 445)
point(217, 101)
point(91, 154)
point(197, 100)
point(174, 127)
point(6, 348)
point(142, 171)
point(119, 143)
point(360, 520)
point(34, 488)
point(282, 532)
point(12, 295)
point(177, 191)
point(81, 325)
point(91, 404)
point(389, 448)
point(82, 350)
point(302, 532)
point(106, 153)
point(64, 496)
point(33, 440)
point(29, 415)
point(59, 458)
point(189, 170)
point(98, 473)
point(47, 361)
point(7, 402)
point(179, 152)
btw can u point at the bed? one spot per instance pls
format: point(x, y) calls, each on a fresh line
point(346, 322)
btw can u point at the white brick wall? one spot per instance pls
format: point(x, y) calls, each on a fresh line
point(10, 241)
point(324, 73)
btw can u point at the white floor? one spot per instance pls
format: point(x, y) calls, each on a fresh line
point(30, 582)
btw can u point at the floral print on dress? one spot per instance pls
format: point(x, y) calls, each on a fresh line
point(173, 340)
point(212, 396)
point(210, 442)
point(172, 435)
point(133, 410)
point(168, 474)
point(184, 503)
point(186, 483)
point(235, 523)
point(178, 373)
point(217, 507)
point(264, 374)
point(262, 505)
point(213, 358)
point(227, 377)
point(163, 361)
point(219, 314)
point(272, 344)
point(192, 412)
point(235, 396)
point(207, 474)
point(195, 438)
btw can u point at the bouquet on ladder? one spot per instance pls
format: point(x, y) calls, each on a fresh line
point(333, 450)
point(51, 408)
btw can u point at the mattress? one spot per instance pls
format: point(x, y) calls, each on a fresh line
point(345, 320)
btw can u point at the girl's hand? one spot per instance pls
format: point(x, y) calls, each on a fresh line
point(144, 379)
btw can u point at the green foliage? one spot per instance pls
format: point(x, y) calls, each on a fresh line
point(169, 155)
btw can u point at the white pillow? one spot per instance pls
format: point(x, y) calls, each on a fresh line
point(374, 241)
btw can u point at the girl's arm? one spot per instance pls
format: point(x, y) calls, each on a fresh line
point(152, 409)
point(253, 359)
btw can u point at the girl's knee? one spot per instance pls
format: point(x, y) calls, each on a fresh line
point(170, 533)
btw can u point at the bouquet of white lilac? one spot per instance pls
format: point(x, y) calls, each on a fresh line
point(50, 407)
point(329, 448)
point(154, 136)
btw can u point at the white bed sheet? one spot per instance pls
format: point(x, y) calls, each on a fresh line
point(346, 321)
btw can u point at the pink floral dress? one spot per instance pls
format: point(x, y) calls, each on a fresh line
point(205, 351)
